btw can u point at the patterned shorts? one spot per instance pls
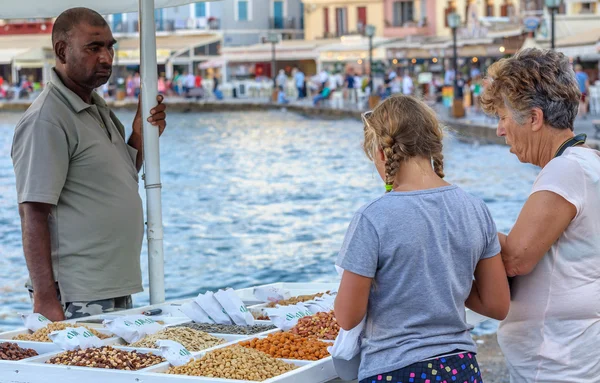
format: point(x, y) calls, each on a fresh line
point(75, 310)
point(461, 368)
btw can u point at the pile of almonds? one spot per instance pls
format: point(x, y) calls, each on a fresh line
point(106, 357)
point(289, 346)
point(234, 362)
point(320, 326)
point(12, 351)
point(298, 299)
point(41, 335)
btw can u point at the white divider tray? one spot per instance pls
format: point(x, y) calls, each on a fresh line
point(320, 371)
point(34, 370)
point(295, 289)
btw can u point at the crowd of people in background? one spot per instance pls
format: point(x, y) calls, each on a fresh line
point(184, 84)
point(347, 87)
point(22, 89)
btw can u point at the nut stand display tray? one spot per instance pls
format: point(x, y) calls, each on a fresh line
point(35, 370)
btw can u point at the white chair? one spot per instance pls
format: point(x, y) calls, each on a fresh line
point(243, 89)
point(253, 90)
point(594, 100)
point(290, 90)
point(362, 98)
point(266, 89)
point(207, 85)
point(337, 99)
point(352, 95)
point(227, 90)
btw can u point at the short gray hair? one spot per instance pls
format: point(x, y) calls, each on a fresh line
point(534, 78)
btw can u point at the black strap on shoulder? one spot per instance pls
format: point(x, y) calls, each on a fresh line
point(577, 140)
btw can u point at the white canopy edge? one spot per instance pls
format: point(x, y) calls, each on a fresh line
point(26, 9)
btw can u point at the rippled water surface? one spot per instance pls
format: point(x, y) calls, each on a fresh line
point(252, 198)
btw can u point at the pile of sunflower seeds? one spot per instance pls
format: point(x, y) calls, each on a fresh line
point(229, 329)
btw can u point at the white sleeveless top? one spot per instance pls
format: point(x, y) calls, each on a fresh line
point(552, 331)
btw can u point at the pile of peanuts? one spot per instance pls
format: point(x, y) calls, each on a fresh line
point(41, 335)
point(12, 351)
point(289, 346)
point(320, 326)
point(191, 339)
point(106, 357)
point(234, 362)
point(298, 299)
point(229, 328)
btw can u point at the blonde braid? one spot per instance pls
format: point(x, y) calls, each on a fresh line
point(438, 164)
point(403, 128)
point(393, 158)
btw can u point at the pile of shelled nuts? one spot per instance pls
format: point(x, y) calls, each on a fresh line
point(106, 357)
point(289, 346)
point(234, 362)
point(320, 326)
point(191, 339)
point(229, 328)
point(298, 299)
point(41, 335)
point(12, 351)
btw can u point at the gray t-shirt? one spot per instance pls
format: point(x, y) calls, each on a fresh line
point(421, 249)
point(73, 155)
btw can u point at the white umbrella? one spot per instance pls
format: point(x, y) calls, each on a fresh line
point(47, 9)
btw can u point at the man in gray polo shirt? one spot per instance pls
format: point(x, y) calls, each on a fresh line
point(77, 180)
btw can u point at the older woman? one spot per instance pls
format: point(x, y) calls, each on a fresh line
point(552, 331)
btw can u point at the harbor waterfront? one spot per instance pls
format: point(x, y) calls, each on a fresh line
point(248, 197)
point(259, 197)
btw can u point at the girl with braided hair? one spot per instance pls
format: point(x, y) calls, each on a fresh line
point(414, 258)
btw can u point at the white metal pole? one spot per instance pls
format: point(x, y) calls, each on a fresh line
point(151, 152)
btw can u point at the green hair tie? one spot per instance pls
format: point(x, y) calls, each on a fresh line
point(389, 187)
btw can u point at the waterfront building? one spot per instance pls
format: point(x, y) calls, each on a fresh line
point(325, 19)
point(240, 22)
point(577, 31)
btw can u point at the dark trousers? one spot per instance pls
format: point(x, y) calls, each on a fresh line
point(456, 368)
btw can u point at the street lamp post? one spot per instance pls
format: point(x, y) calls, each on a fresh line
point(273, 38)
point(370, 32)
point(373, 99)
point(454, 22)
point(553, 6)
